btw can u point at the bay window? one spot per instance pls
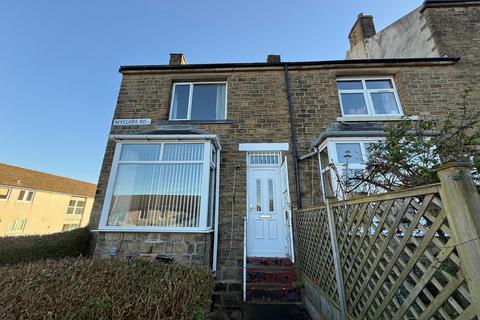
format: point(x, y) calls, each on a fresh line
point(368, 97)
point(340, 159)
point(199, 101)
point(161, 186)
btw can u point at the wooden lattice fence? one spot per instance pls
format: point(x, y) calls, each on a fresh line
point(401, 255)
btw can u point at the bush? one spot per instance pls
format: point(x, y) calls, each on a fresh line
point(31, 248)
point(104, 289)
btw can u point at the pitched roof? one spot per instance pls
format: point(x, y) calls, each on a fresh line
point(26, 178)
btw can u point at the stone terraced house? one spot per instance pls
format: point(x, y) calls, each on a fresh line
point(196, 152)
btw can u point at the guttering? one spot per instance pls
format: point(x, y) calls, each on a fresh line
point(178, 137)
point(217, 212)
point(294, 137)
point(447, 60)
point(308, 155)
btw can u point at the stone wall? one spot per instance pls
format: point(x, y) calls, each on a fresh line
point(185, 248)
point(258, 113)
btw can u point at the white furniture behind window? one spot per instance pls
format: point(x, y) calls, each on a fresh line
point(368, 97)
point(161, 186)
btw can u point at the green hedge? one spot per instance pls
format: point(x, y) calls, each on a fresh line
point(96, 288)
point(31, 248)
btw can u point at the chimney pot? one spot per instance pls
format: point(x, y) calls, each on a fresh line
point(177, 59)
point(274, 58)
point(362, 29)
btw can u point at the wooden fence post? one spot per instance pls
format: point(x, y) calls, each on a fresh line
point(461, 201)
point(337, 263)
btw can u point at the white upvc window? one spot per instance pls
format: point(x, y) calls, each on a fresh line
point(199, 101)
point(339, 159)
point(161, 186)
point(76, 205)
point(26, 196)
point(4, 193)
point(16, 226)
point(372, 96)
point(70, 226)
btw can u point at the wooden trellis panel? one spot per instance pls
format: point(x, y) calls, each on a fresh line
point(314, 250)
point(397, 254)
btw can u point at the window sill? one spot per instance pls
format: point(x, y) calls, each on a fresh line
point(375, 118)
point(153, 230)
point(223, 121)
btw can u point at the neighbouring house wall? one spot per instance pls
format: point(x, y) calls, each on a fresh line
point(47, 213)
point(456, 30)
point(408, 37)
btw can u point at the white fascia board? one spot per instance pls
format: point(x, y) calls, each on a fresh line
point(178, 137)
point(263, 147)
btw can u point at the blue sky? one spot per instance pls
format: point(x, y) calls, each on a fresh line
point(59, 60)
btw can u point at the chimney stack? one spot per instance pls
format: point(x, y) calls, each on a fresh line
point(274, 58)
point(363, 29)
point(177, 59)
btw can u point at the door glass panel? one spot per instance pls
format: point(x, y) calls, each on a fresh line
point(270, 196)
point(258, 192)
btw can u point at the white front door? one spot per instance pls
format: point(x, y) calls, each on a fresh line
point(265, 221)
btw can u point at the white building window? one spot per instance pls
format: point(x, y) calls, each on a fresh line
point(76, 205)
point(26, 196)
point(368, 97)
point(70, 226)
point(4, 193)
point(161, 186)
point(340, 159)
point(264, 158)
point(199, 101)
point(16, 226)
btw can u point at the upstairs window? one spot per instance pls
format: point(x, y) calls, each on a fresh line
point(76, 205)
point(26, 196)
point(368, 97)
point(4, 193)
point(199, 101)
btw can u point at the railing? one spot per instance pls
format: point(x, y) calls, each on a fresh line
point(413, 254)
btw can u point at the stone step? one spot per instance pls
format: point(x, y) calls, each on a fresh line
point(266, 292)
point(275, 311)
point(284, 275)
point(270, 262)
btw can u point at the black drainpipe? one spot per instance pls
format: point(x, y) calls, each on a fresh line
point(294, 137)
